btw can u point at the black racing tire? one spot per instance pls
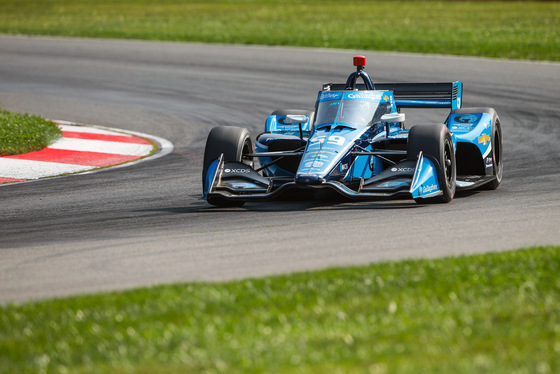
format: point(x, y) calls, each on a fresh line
point(497, 147)
point(435, 140)
point(496, 141)
point(234, 143)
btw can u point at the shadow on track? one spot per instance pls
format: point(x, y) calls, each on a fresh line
point(304, 203)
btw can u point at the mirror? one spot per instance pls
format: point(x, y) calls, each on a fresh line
point(293, 119)
point(392, 117)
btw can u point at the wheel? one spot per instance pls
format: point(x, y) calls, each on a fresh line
point(496, 142)
point(435, 140)
point(235, 144)
point(496, 154)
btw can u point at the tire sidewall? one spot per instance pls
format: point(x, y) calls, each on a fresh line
point(497, 151)
point(447, 182)
point(433, 140)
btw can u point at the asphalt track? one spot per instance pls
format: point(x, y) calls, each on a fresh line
point(145, 224)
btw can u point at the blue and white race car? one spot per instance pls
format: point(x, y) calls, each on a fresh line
point(355, 143)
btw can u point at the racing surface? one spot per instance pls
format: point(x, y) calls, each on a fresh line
point(145, 224)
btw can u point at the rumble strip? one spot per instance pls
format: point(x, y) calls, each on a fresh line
point(82, 148)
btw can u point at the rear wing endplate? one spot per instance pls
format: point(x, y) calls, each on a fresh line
point(416, 95)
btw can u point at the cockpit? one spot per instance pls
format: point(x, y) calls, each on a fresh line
point(351, 109)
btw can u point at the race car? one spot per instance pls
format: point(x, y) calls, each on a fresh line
point(356, 143)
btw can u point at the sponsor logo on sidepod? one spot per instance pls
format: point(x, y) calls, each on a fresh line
point(402, 170)
point(466, 118)
point(244, 171)
point(484, 139)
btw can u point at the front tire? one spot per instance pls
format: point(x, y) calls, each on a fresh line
point(435, 140)
point(235, 144)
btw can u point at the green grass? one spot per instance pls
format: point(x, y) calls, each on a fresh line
point(493, 313)
point(22, 133)
point(520, 30)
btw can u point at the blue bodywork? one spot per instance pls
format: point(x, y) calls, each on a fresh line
point(346, 144)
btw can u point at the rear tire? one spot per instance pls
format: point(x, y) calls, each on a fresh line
point(234, 143)
point(496, 155)
point(435, 140)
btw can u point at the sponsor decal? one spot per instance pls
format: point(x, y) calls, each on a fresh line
point(400, 136)
point(240, 171)
point(489, 162)
point(427, 189)
point(287, 126)
point(243, 185)
point(326, 96)
point(466, 118)
point(363, 95)
point(402, 170)
point(460, 127)
point(314, 164)
point(483, 139)
point(343, 167)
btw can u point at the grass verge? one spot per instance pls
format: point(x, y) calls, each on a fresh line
point(492, 313)
point(22, 133)
point(505, 29)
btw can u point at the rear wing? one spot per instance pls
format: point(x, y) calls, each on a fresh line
point(416, 95)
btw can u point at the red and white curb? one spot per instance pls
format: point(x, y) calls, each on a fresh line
point(81, 149)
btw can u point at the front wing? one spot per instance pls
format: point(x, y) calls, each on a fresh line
point(237, 181)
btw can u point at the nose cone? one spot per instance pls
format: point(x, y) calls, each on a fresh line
point(309, 179)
